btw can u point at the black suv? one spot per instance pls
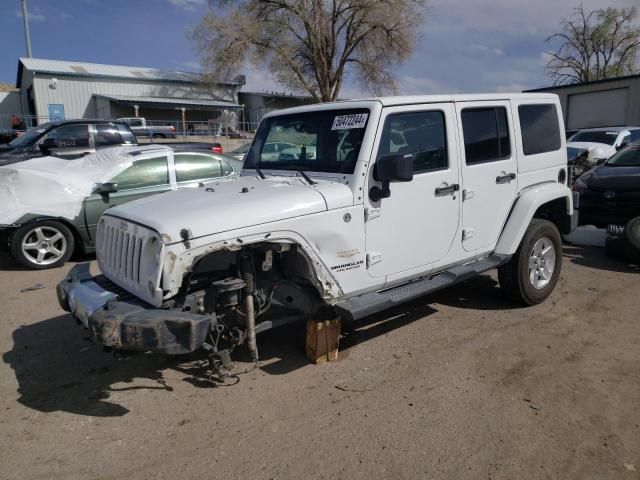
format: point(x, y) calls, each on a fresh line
point(610, 192)
point(68, 137)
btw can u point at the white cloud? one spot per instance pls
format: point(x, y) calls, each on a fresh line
point(189, 4)
point(34, 15)
point(479, 46)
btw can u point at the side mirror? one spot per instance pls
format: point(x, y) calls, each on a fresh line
point(106, 188)
point(391, 168)
point(47, 144)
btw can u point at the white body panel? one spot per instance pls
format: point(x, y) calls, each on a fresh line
point(409, 234)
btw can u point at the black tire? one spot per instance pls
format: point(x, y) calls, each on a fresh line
point(632, 232)
point(514, 276)
point(631, 237)
point(158, 135)
point(55, 235)
point(616, 248)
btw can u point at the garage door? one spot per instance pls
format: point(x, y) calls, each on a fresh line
point(607, 108)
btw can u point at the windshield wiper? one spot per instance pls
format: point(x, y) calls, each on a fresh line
point(260, 174)
point(306, 177)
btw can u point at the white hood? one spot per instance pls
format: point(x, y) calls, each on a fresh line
point(597, 151)
point(233, 204)
point(55, 186)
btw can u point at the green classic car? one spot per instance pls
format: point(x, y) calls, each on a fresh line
point(50, 206)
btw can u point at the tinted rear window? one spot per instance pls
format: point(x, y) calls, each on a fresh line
point(486, 134)
point(540, 128)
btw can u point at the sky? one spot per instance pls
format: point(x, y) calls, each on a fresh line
point(464, 46)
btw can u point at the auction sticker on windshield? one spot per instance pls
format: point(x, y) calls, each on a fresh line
point(346, 122)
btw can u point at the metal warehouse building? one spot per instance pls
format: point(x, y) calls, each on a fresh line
point(53, 89)
point(602, 103)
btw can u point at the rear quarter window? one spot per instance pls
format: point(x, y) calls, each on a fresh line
point(540, 128)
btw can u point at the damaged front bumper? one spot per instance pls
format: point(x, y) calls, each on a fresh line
point(116, 319)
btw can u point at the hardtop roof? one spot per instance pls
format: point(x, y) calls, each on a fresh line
point(415, 100)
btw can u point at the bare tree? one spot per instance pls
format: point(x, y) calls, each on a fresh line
point(600, 44)
point(311, 45)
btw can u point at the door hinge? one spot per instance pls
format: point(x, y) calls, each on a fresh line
point(467, 194)
point(467, 233)
point(371, 213)
point(373, 258)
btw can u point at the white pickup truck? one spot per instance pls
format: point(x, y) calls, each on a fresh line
point(141, 128)
point(402, 196)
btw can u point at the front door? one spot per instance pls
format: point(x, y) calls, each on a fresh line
point(489, 170)
point(417, 224)
point(144, 177)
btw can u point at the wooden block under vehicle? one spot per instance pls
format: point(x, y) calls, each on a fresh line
point(322, 339)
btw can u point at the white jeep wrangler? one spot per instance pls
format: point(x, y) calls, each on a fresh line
point(373, 203)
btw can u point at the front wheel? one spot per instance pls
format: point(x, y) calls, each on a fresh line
point(532, 273)
point(43, 244)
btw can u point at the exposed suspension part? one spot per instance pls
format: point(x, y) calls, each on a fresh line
point(248, 275)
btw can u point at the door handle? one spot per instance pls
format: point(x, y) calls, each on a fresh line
point(506, 178)
point(454, 187)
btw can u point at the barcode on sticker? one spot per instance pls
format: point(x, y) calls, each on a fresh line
point(345, 122)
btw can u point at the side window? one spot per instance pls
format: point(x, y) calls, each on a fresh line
point(486, 135)
point(134, 122)
point(422, 134)
point(190, 167)
point(148, 172)
point(69, 136)
point(540, 128)
point(635, 135)
point(107, 135)
point(126, 133)
point(226, 169)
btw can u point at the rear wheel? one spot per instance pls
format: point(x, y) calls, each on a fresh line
point(158, 135)
point(43, 244)
point(533, 271)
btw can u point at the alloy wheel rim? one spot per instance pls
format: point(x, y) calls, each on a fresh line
point(44, 245)
point(542, 263)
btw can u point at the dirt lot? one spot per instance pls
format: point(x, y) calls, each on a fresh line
point(461, 384)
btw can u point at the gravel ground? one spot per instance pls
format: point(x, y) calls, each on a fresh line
point(460, 384)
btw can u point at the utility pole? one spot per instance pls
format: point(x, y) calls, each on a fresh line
point(25, 18)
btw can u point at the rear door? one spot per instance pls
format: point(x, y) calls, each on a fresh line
point(489, 171)
point(147, 176)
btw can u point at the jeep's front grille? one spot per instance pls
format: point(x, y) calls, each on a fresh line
point(130, 255)
point(121, 253)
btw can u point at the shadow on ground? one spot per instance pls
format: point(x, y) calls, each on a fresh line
point(8, 264)
point(58, 370)
point(596, 257)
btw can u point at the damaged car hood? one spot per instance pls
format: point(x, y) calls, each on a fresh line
point(596, 150)
point(232, 204)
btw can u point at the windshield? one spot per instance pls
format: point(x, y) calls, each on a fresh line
point(320, 141)
point(598, 136)
point(30, 137)
point(242, 148)
point(627, 157)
